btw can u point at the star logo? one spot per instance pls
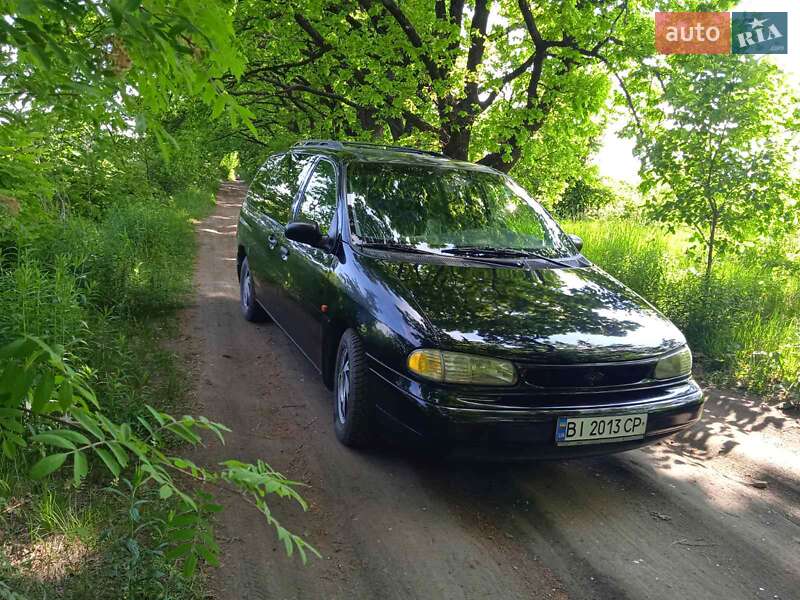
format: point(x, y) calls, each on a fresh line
point(759, 32)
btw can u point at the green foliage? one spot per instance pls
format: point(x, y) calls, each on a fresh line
point(80, 56)
point(509, 83)
point(716, 148)
point(49, 405)
point(229, 165)
point(743, 324)
point(583, 198)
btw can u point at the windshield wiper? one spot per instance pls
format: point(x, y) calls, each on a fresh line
point(488, 251)
point(399, 247)
point(538, 256)
point(485, 251)
point(394, 247)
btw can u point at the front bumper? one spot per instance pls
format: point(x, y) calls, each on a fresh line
point(463, 426)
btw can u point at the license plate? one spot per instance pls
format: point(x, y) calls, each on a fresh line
point(590, 430)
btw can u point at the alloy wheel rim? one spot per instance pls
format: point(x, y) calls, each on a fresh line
point(343, 390)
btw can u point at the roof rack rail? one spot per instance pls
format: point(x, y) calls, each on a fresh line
point(337, 145)
point(319, 143)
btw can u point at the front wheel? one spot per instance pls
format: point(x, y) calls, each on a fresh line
point(251, 309)
point(353, 412)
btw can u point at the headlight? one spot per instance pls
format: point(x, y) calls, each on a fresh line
point(454, 367)
point(674, 365)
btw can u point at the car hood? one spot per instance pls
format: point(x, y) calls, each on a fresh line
point(556, 315)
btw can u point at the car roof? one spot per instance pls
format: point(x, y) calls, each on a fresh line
point(367, 152)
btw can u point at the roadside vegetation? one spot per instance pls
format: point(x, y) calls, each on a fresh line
point(88, 302)
point(105, 167)
point(118, 119)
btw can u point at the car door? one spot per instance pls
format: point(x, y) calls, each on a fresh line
point(308, 277)
point(271, 202)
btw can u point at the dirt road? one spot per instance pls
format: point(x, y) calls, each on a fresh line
point(678, 520)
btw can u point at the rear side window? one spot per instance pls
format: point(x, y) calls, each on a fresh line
point(275, 186)
point(319, 199)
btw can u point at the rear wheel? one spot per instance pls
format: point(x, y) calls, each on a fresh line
point(353, 410)
point(251, 310)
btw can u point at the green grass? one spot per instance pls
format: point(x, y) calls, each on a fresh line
point(745, 329)
point(106, 290)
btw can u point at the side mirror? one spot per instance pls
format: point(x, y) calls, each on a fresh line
point(305, 233)
point(577, 240)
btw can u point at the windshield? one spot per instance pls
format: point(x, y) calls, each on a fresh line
point(440, 208)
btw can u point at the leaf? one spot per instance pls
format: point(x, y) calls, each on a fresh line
point(65, 395)
point(209, 554)
point(10, 375)
point(75, 436)
point(47, 465)
point(79, 467)
point(19, 348)
point(43, 392)
point(109, 460)
point(21, 386)
point(190, 565)
point(156, 415)
point(88, 422)
point(148, 427)
point(53, 439)
point(8, 449)
point(87, 394)
point(184, 433)
point(165, 491)
point(184, 520)
point(182, 535)
point(177, 552)
point(116, 13)
point(119, 454)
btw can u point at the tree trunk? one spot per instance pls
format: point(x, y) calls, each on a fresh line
point(457, 145)
point(710, 247)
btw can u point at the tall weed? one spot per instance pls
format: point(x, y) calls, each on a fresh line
point(143, 252)
point(41, 301)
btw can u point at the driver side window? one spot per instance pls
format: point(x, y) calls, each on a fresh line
point(319, 200)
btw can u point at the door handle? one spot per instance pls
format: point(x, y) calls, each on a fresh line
point(284, 252)
point(272, 241)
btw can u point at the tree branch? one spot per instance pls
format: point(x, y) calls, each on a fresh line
point(629, 100)
point(530, 23)
point(413, 37)
point(506, 79)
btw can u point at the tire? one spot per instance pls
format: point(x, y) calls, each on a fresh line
point(251, 309)
point(353, 410)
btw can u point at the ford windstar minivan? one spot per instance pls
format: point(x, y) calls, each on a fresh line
point(437, 299)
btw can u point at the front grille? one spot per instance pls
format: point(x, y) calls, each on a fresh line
point(587, 376)
point(540, 399)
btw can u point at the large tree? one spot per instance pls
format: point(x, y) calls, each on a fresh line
point(482, 80)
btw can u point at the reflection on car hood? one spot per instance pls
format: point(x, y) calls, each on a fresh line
point(548, 315)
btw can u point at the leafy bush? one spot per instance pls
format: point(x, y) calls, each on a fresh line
point(582, 199)
point(48, 404)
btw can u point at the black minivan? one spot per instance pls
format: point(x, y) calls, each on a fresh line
point(437, 298)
